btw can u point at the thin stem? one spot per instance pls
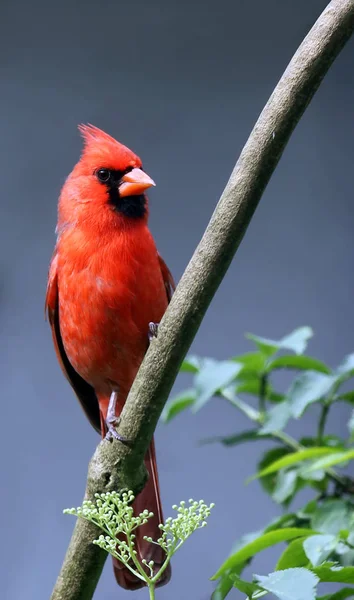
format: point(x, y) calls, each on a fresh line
point(163, 568)
point(176, 546)
point(287, 440)
point(141, 572)
point(152, 591)
point(119, 557)
point(247, 410)
point(107, 529)
point(262, 393)
point(322, 422)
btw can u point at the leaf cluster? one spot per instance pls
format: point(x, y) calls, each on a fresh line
point(319, 536)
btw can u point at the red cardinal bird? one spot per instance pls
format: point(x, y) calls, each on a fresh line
point(107, 284)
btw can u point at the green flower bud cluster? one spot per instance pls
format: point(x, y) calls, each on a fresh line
point(113, 514)
point(189, 518)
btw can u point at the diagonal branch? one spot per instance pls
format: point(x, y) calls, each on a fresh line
point(115, 465)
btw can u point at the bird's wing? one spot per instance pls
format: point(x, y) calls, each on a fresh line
point(83, 390)
point(167, 278)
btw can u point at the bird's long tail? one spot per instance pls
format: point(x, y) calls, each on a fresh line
point(148, 499)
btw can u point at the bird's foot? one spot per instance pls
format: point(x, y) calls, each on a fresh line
point(153, 329)
point(112, 431)
point(112, 421)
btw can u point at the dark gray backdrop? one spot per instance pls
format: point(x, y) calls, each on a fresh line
point(182, 84)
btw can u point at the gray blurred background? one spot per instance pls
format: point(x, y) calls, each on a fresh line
point(182, 84)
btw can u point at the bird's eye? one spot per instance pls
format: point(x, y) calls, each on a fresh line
point(103, 175)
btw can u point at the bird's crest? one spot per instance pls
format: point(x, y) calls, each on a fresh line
point(92, 134)
point(102, 148)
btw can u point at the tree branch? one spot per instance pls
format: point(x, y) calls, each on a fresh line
point(116, 466)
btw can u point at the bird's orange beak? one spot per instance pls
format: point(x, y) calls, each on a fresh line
point(134, 183)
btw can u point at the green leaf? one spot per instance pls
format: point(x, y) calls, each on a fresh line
point(345, 534)
point(300, 484)
point(351, 427)
point(299, 362)
point(286, 520)
point(309, 442)
point(212, 376)
point(350, 537)
point(269, 482)
point(347, 559)
point(246, 587)
point(332, 516)
point(307, 388)
point(319, 547)
point(285, 485)
point(290, 584)
point(191, 364)
point(342, 594)
point(276, 418)
point(328, 440)
point(314, 475)
point(264, 541)
point(333, 440)
point(251, 361)
point(250, 435)
point(346, 368)
point(335, 574)
point(307, 511)
point(178, 404)
point(295, 341)
point(223, 588)
point(294, 458)
point(247, 386)
point(253, 387)
point(342, 549)
point(274, 396)
point(225, 584)
point(293, 556)
point(328, 461)
point(266, 346)
point(347, 397)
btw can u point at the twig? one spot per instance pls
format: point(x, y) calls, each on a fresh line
point(115, 465)
point(322, 422)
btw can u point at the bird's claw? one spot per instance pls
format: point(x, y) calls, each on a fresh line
point(153, 329)
point(112, 433)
